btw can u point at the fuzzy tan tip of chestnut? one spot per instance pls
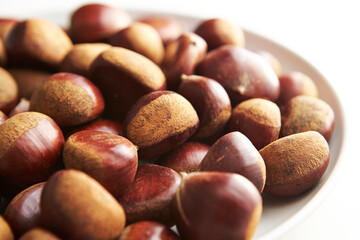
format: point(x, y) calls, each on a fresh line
point(75, 206)
point(295, 163)
point(5, 230)
point(159, 122)
point(69, 99)
point(39, 234)
point(216, 205)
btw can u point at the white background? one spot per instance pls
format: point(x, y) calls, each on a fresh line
point(327, 34)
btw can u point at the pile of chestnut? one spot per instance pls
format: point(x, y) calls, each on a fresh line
point(121, 128)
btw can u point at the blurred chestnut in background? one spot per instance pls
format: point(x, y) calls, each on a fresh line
point(274, 62)
point(8, 91)
point(39, 234)
point(6, 24)
point(3, 117)
point(5, 230)
point(22, 106)
point(3, 57)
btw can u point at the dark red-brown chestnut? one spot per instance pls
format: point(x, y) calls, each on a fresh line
point(148, 230)
point(8, 91)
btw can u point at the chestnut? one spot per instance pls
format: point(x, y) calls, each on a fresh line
point(79, 59)
point(295, 163)
point(181, 57)
point(147, 230)
point(3, 117)
point(306, 113)
point(211, 103)
point(30, 147)
point(23, 211)
point(22, 106)
point(75, 206)
point(141, 38)
point(218, 32)
point(6, 24)
point(243, 73)
point(169, 28)
point(3, 58)
point(5, 230)
point(159, 122)
point(110, 159)
point(185, 158)
point(235, 153)
point(28, 80)
point(150, 195)
point(96, 22)
point(216, 205)
point(294, 84)
point(31, 44)
point(68, 98)
point(274, 62)
point(8, 91)
point(39, 234)
point(123, 76)
point(258, 119)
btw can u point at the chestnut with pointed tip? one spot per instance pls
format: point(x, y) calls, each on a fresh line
point(235, 153)
point(30, 148)
point(150, 195)
point(110, 159)
point(295, 163)
point(147, 230)
point(8, 91)
point(39, 234)
point(5, 230)
point(69, 99)
point(216, 205)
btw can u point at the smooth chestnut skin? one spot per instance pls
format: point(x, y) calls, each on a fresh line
point(235, 153)
point(110, 159)
point(168, 28)
point(96, 22)
point(30, 148)
point(72, 200)
point(39, 234)
point(295, 163)
point(258, 119)
point(181, 57)
point(160, 121)
point(148, 230)
point(185, 158)
point(211, 103)
point(37, 43)
point(8, 91)
point(243, 74)
point(218, 32)
point(23, 212)
point(28, 80)
point(79, 59)
point(5, 230)
point(141, 38)
point(22, 106)
point(150, 195)
point(69, 99)
point(216, 205)
point(305, 113)
point(294, 84)
point(123, 76)
point(3, 117)
point(274, 62)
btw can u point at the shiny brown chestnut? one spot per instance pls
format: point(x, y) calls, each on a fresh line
point(96, 22)
point(8, 91)
point(181, 57)
point(274, 62)
point(5, 230)
point(38, 234)
point(30, 148)
point(294, 84)
point(147, 230)
point(306, 113)
point(160, 121)
point(123, 76)
point(73, 200)
point(3, 117)
point(79, 59)
point(23, 211)
point(141, 38)
point(235, 153)
point(31, 44)
point(68, 98)
point(150, 195)
point(218, 32)
point(243, 73)
point(22, 106)
point(110, 159)
point(168, 28)
point(216, 205)
point(258, 119)
point(185, 158)
point(211, 103)
point(295, 163)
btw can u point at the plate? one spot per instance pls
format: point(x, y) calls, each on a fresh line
point(279, 215)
